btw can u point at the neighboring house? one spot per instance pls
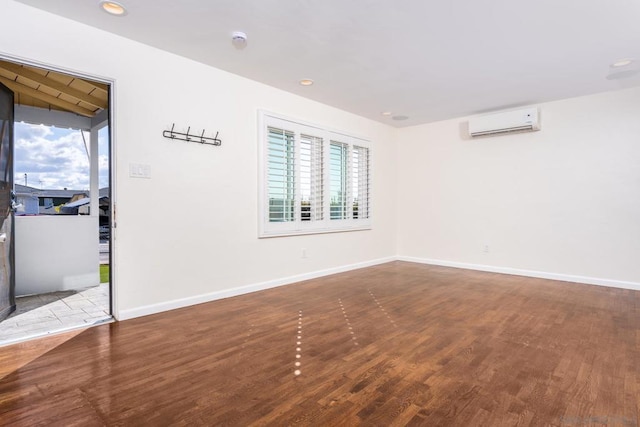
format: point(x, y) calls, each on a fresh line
point(48, 200)
point(26, 201)
point(81, 206)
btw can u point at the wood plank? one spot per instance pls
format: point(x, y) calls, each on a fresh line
point(469, 349)
point(50, 83)
point(20, 88)
point(25, 352)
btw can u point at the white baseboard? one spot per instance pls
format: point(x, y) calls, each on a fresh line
point(227, 293)
point(241, 290)
point(529, 273)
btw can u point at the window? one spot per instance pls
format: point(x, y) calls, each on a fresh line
point(312, 180)
point(281, 180)
point(338, 179)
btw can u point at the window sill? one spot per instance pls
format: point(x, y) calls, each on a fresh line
point(289, 233)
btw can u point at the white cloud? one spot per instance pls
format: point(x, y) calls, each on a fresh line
point(53, 158)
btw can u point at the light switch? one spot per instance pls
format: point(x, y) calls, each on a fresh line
point(139, 170)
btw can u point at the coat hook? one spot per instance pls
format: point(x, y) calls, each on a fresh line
point(172, 134)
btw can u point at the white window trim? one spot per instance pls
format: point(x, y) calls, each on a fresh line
point(277, 229)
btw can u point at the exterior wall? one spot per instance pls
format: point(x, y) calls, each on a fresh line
point(27, 204)
point(55, 253)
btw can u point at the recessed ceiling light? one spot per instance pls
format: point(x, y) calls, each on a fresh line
point(623, 69)
point(113, 8)
point(306, 82)
point(386, 113)
point(622, 63)
point(399, 117)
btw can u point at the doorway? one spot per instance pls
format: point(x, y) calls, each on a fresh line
point(62, 214)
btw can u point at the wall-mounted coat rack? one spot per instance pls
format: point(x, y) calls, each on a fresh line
point(201, 139)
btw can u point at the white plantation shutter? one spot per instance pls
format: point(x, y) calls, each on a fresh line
point(312, 180)
point(361, 182)
point(281, 175)
point(339, 179)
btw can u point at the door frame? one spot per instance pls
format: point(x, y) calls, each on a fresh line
point(111, 127)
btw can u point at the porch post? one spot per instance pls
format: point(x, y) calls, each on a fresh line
point(97, 123)
point(94, 179)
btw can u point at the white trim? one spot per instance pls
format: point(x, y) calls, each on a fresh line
point(101, 119)
point(241, 290)
point(79, 328)
point(48, 66)
point(306, 232)
point(59, 119)
point(529, 273)
point(111, 118)
point(267, 229)
point(322, 126)
point(113, 200)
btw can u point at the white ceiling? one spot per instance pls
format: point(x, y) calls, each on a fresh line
point(425, 59)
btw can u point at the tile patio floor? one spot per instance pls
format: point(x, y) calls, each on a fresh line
point(43, 314)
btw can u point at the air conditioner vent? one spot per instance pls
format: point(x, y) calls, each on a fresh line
point(523, 120)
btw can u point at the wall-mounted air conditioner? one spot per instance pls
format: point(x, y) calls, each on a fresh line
point(527, 119)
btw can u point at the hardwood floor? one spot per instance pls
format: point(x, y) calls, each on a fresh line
point(395, 344)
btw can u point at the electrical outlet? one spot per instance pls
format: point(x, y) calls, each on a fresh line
point(304, 253)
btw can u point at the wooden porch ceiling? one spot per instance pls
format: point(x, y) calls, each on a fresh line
point(37, 87)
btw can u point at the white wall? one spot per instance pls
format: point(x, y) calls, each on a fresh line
point(190, 231)
point(565, 200)
point(55, 253)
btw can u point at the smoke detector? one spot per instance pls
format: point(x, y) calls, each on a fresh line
point(239, 39)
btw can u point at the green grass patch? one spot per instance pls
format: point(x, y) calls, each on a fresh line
point(104, 273)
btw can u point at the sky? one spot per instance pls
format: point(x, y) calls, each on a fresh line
point(55, 158)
